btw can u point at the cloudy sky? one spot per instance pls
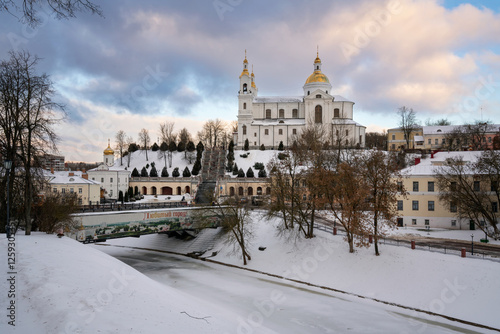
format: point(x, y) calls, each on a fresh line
point(147, 62)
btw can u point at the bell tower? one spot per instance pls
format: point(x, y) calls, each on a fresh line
point(245, 100)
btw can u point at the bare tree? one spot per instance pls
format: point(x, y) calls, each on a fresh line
point(63, 9)
point(184, 138)
point(144, 140)
point(439, 122)
point(376, 140)
point(470, 136)
point(233, 216)
point(121, 144)
point(167, 133)
point(407, 122)
point(380, 172)
point(27, 115)
point(212, 133)
point(471, 189)
point(346, 192)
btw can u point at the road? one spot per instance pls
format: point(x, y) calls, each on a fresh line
point(270, 305)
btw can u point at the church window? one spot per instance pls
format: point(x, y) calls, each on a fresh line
point(336, 112)
point(327, 92)
point(317, 67)
point(244, 128)
point(318, 96)
point(244, 105)
point(280, 131)
point(266, 132)
point(308, 92)
point(268, 113)
point(347, 132)
point(244, 88)
point(282, 113)
point(294, 131)
point(295, 113)
point(337, 133)
point(255, 134)
point(318, 114)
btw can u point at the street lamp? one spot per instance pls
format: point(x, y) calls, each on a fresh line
point(472, 244)
point(8, 165)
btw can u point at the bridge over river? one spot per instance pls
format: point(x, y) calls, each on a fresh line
point(183, 221)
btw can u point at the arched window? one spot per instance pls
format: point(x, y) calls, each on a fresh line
point(250, 191)
point(308, 92)
point(144, 190)
point(259, 190)
point(282, 113)
point(244, 105)
point(179, 190)
point(153, 190)
point(336, 112)
point(231, 191)
point(244, 129)
point(187, 190)
point(268, 113)
point(318, 114)
point(240, 191)
point(244, 88)
point(295, 113)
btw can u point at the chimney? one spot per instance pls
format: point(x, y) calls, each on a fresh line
point(417, 161)
point(52, 170)
point(83, 171)
point(71, 174)
point(85, 176)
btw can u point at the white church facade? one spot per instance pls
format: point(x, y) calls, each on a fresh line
point(273, 119)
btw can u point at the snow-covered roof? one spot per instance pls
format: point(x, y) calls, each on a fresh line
point(294, 99)
point(346, 121)
point(67, 179)
point(429, 165)
point(284, 121)
point(280, 99)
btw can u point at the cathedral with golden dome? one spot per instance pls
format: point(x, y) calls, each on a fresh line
point(269, 120)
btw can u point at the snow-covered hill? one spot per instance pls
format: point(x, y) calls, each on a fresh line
point(138, 160)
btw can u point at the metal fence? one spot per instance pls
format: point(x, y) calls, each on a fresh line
point(452, 250)
point(126, 207)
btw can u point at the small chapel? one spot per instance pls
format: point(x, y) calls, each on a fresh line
point(269, 120)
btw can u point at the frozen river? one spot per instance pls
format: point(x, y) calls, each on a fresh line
point(270, 305)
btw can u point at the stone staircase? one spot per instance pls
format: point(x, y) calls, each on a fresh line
point(213, 167)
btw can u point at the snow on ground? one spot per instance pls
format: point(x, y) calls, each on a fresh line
point(446, 284)
point(62, 286)
point(138, 160)
point(253, 156)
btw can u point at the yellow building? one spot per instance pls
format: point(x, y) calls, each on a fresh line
point(88, 191)
point(422, 208)
point(396, 139)
point(165, 185)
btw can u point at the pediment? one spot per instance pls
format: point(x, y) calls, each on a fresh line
point(314, 95)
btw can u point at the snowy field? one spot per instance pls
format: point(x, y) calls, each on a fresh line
point(62, 286)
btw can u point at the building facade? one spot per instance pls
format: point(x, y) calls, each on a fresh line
point(112, 179)
point(270, 120)
point(422, 207)
point(88, 191)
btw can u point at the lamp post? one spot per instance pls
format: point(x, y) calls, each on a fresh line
point(8, 165)
point(472, 244)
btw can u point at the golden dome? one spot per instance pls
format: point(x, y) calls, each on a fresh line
point(317, 76)
point(109, 150)
point(245, 72)
point(253, 85)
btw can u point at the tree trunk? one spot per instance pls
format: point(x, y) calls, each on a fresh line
point(375, 234)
